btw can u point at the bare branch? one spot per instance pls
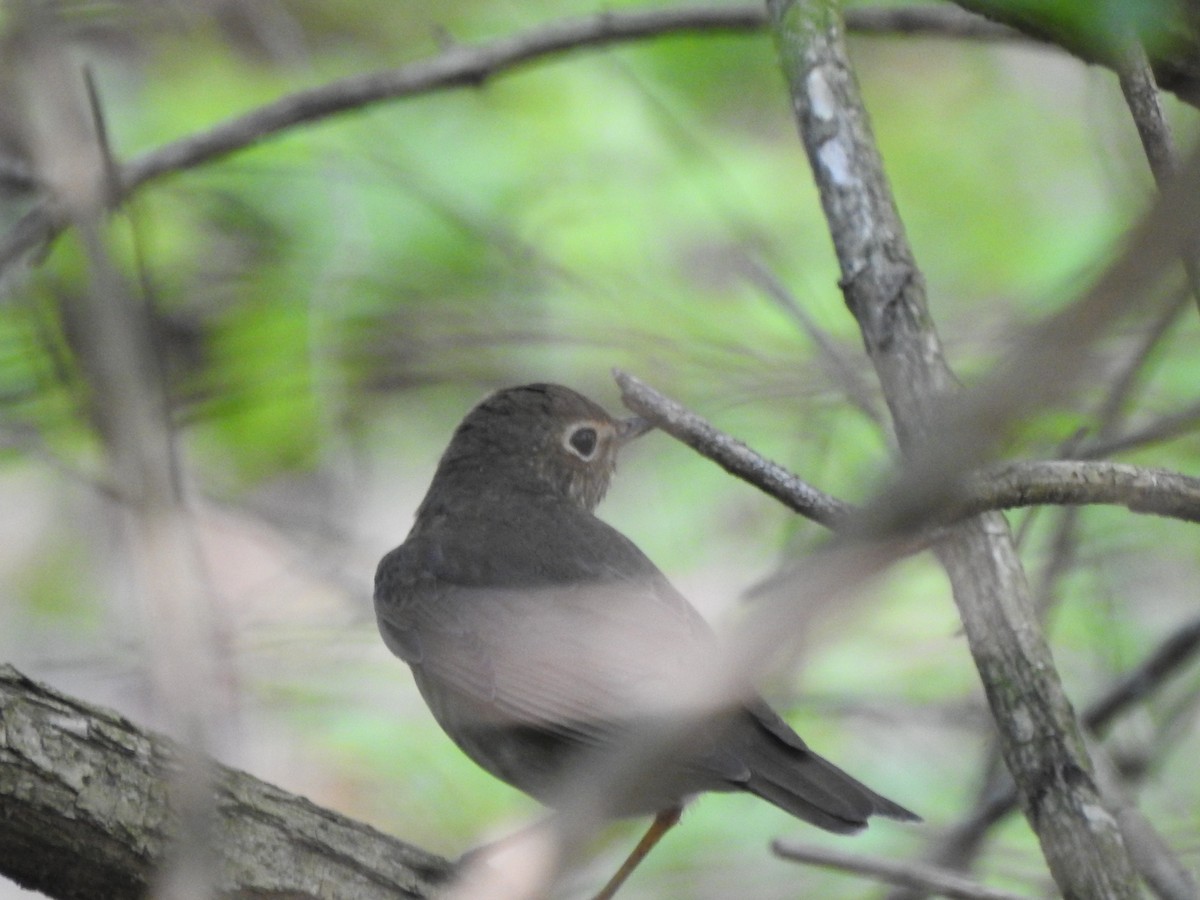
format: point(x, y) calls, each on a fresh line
point(917, 876)
point(1028, 483)
point(1072, 482)
point(731, 454)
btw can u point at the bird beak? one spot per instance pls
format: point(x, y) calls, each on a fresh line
point(633, 427)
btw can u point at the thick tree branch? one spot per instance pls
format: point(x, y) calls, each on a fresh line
point(1040, 738)
point(84, 812)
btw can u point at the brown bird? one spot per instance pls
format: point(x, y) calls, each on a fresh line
point(538, 634)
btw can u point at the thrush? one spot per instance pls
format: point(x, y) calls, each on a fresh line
point(539, 636)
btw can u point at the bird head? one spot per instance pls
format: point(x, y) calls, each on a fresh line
point(543, 438)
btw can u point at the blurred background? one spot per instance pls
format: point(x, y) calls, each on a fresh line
point(328, 304)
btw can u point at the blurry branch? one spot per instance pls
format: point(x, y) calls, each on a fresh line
point(459, 66)
point(1126, 381)
point(917, 876)
point(108, 329)
point(1176, 67)
point(1168, 427)
point(1164, 874)
point(86, 814)
point(1028, 483)
point(1145, 106)
point(1109, 414)
point(830, 356)
point(1177, 650)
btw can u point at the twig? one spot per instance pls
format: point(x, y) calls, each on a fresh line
point(731, 454)
point(1141, 96)
point(1175, 425)
point(922, 877)
point(831, 357)
point(1028, 483)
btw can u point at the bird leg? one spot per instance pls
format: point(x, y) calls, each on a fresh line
point(662, 823)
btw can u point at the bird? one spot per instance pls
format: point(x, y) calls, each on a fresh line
point(539, 635)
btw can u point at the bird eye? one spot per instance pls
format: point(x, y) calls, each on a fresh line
point(582, 441)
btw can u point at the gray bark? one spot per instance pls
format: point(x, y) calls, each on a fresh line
point(84, 812)
point(1040, 737)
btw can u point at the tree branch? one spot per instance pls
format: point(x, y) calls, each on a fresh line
point(1176, 68)
point(917, 876)
point(467, 65)
point(84, 812)
point(1172, 655)
point(883, 288)
point(1029, 483)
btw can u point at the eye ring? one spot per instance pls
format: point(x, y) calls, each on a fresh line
point(582, 441)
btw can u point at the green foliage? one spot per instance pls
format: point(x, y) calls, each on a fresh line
point(330, 302)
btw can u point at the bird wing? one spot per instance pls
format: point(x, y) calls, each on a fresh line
point(576, 632)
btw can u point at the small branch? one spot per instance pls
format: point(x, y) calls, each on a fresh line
point(84, 795)
point(916, 876)
point(832, 359)
point(1169, 427)
point(1141, 96)
point(731, 454)
point(1028, 483)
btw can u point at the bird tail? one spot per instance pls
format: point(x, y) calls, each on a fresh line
point(811, 788)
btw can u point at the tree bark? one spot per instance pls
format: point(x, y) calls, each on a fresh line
point(84, 812)
point(883, 288)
